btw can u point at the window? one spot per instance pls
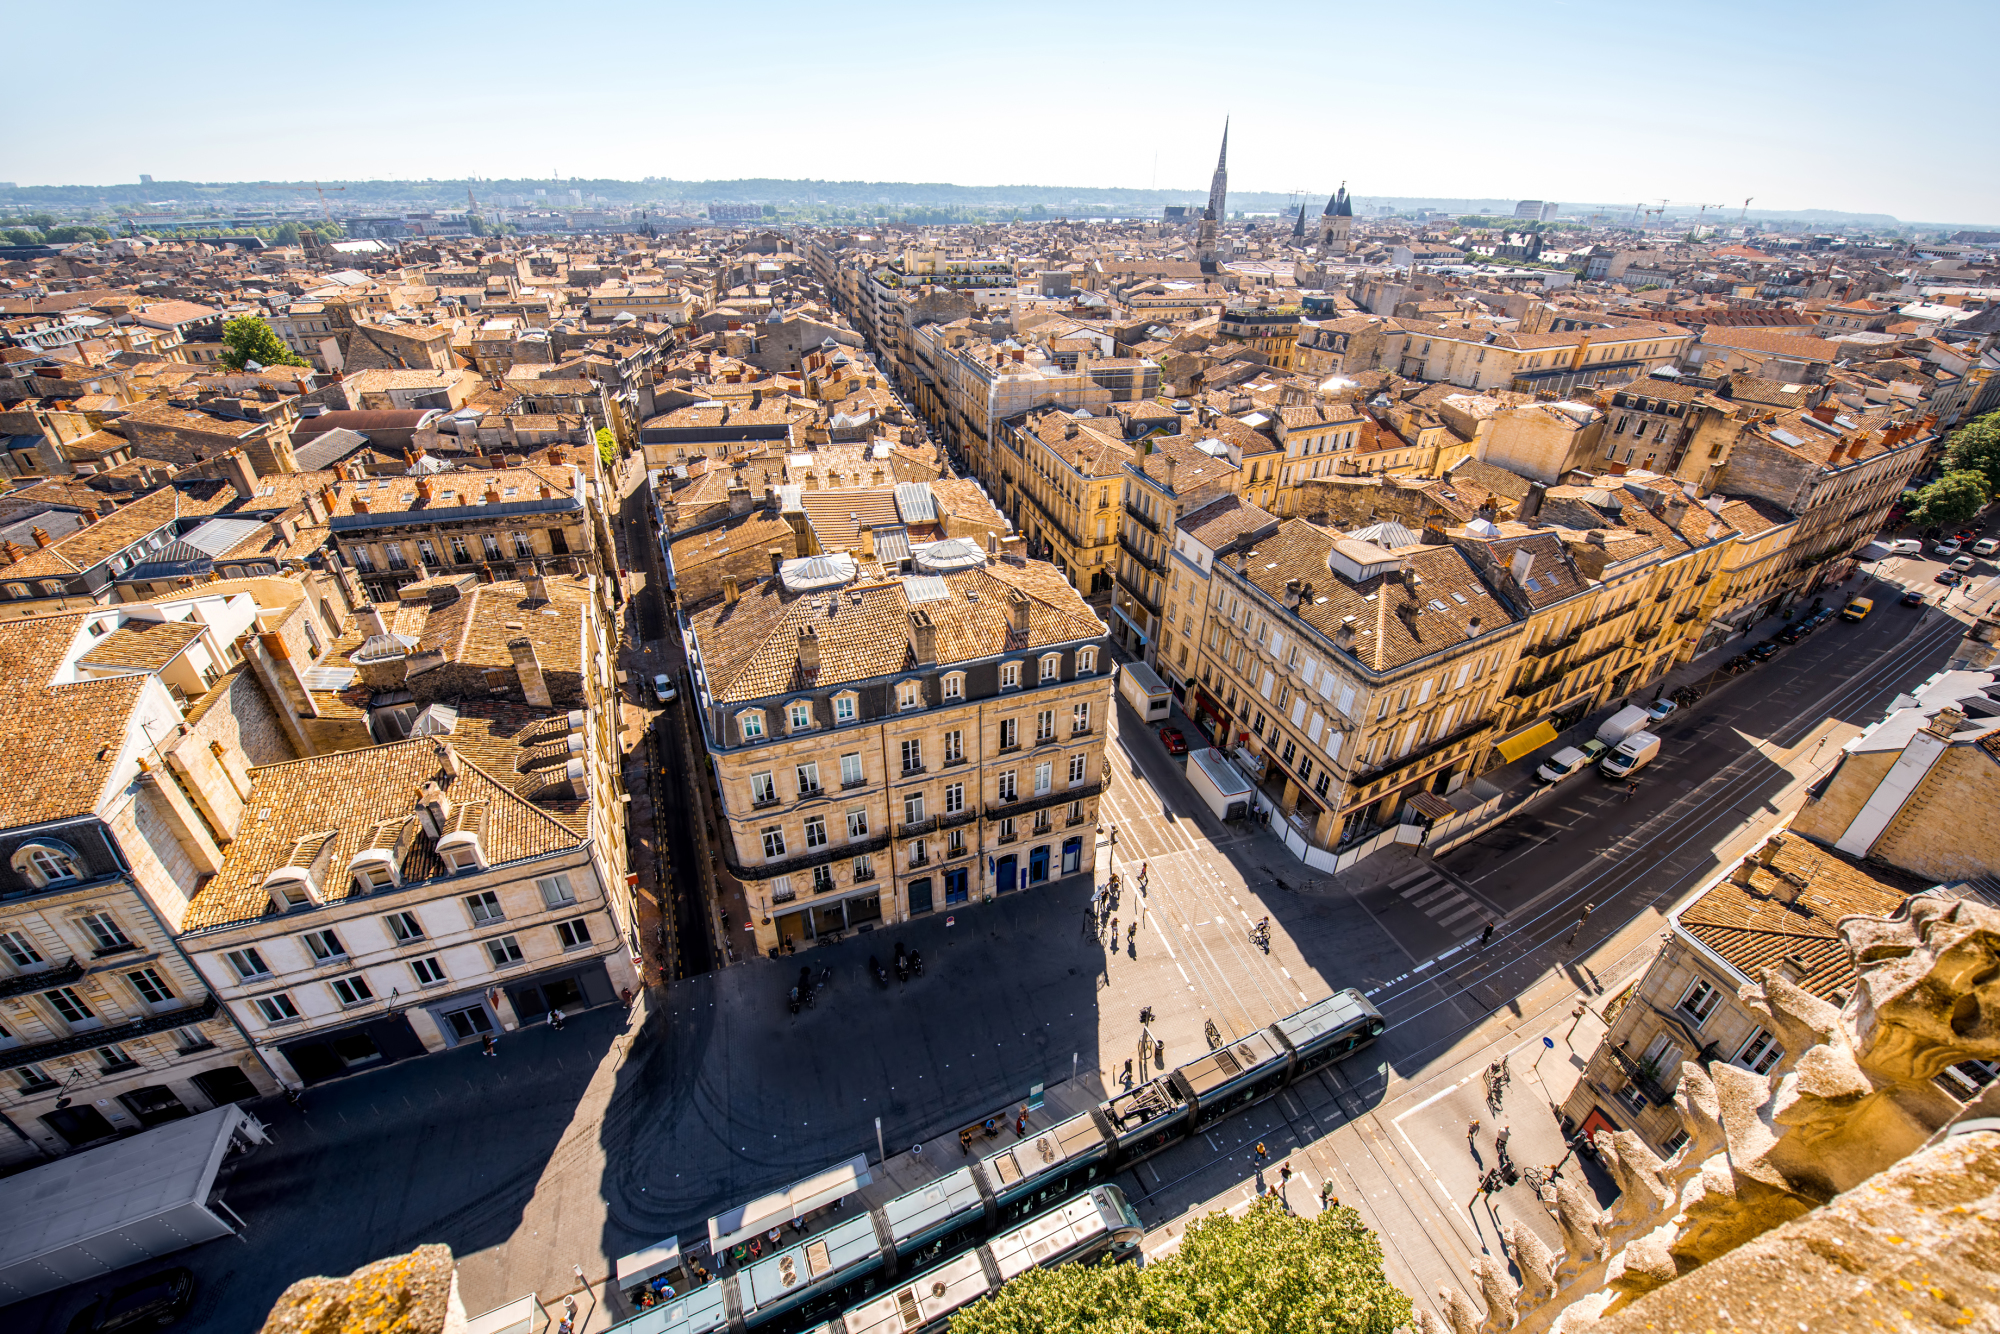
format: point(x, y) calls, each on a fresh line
point(459, 554)
point(491, 545)
point(913, 755)
point(1079, 719)
point(19, 949)
point(1044, 777)
point(1700, 1001)
point(802, 715)
point(1051, 667)
point(485, 908)
point(114, 1057)
point(954, 686)
point(910, 695)
point(954, 798)
point(352, 990)
point(152, 988)
point(774, 842)
point(857, 824)
point(823, 880)
point(816, 832)
point(429, 972)
point(1045, 726)
point(864, 868)
point(65, 1002)
point(913, 808)
point(1077, 767)
point(191, 1039)
point(1007, 785)
point(574, 934)
point(524, 547)
point(763, 789)
point(1760, 1053)
point(426, 551)
point(808, 779)
point(47, 864)
point(1086, 661)
point(104, 932)
point(404, 927)
point(954, 747)
point(843, 709)
point(1009, 734)
point(752, 723)
point(556, 892)
point(276, 1009)
point(504, 951)
point(1010, 675)
point(325, 946)
point(851, 774)
point(249, 965)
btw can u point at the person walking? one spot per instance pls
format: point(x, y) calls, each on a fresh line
point(1114, 930)
point(486, 1045)
point(1500, 1140)
point(1327, 1199)
point(1132, 935)
point(1486, 936)
point(1472, 1135)
point(1263, 1154)
point(556, 1018)
point(1581, 918)
point(1284, 1175)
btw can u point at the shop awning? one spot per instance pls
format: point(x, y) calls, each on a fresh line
point(1514, 747)
point(1431, 806)
point(660, 1258)
point(761, 1215)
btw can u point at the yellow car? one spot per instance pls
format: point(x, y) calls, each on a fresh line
point(1856, 609)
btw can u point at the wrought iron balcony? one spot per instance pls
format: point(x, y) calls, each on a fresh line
point(69, 970)
point(105, 1037)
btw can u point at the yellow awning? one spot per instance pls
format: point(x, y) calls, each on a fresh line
point(1514, 747)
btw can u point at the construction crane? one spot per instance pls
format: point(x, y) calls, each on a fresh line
point(324, 206)
point(1746, 209)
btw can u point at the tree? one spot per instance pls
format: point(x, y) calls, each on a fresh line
point(248, 339)
point(1975, 447)
point(607, 446)
point(287, 233)
point(1952, 498)
point(1267, 1272)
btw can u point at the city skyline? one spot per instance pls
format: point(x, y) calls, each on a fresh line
point(1575, 120)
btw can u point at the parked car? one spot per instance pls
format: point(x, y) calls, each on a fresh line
point(1174, 740)
point(1913, 597)
point(147, 1303)
point(664, 690)
point(1945, 550)
point(1857, 609)
point(1660, 709)
point(1948, 577)
point(1963, 564)
point(1964, 535)
point(1986, 546)
point(1765, 651)
point(1741, 662)
point(1593, 750)
point(1905, 546)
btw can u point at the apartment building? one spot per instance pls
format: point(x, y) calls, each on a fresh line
point(1067, 496)
point(888, 744)
point(1472, 356)
point(1225, 522)
point(1264, 326)
point(1177, 474)
point(1776, 912)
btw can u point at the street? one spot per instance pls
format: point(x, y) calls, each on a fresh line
point(575, 1147)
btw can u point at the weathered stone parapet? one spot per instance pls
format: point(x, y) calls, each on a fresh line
point(415, 1293)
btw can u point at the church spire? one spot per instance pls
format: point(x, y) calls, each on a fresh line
point(1218, 185)
point(1299, 227)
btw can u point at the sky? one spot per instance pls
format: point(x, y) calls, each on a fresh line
point(1797, 105)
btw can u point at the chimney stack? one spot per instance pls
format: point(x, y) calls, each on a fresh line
point(1343, 638)
point(534, 688)
point(923, 638)
point(1168, 480)
point(242, 473)
point(371, 620)
point(424, 488)
point(41, 535)
point(1017, 613)
point(808, 652)
point(777, 557)
point(536, 584)
point(1014, 549)
point(731, 590)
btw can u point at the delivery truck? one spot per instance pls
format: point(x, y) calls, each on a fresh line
point(1145, 692)
point(1622, 724)
point(1629, 756)
point(1221, 784)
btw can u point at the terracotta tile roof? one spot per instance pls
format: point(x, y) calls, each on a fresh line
point(1754, 928)
point(143, 645)
point(351, 794)
point(86, 547)
point(1193, 467)
point(751, 647)
point(1223, 520)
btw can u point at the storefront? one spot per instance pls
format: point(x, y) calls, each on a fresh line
point(570, 989)
point(364, 1046)
point(811, 922)
point(467, 1017)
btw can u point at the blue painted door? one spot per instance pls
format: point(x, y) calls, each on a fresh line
point(1004, 874)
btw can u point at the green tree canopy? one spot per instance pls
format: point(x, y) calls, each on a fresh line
point(1267, 1272)
point(1952, 498)
point(1975, 447)
point(607, 447)
point(247, 339)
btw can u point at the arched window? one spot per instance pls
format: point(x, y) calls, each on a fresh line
point(47, 863)
point(18, 591)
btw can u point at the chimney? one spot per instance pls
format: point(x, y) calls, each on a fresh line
point(534, 688)
point(1014, 549)
point(536, 584)
point(992, 543)
point(731, 590)
point(777, 556)
point(424, 488)
point(547, 493)
point(1343, 638)
point(1531, 504)
point(1168, 480)
point(1768, 854)
point(923, 638)
point(371, 620)
point(360, 505)
point(41, 536)
point(242, 473)
point(492, 495)
point(1017, 613)
point(11, 550)
point(739, 500)
point(809, 652)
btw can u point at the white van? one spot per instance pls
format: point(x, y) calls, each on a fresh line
point(1629, 756)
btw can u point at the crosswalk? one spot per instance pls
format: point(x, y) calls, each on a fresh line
point(1441, 899)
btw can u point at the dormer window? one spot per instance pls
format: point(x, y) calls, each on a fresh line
point(1051, 667)
point(954, 685)
point(461, 852)
point(910, 695)
point(845, 708)
point(1086, 661)
point(751, 723)
point(373, 869)
point(47, 863)
point(1010, 676)
point(801, 715)
point(291, 888)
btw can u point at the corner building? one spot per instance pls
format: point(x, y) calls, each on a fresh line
point(889, 744)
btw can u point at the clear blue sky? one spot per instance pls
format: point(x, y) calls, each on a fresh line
point(1801, 105)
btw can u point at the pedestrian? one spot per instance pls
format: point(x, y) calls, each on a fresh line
point(1285, 1174)
point(1021, 1120)
point(1132, 933)
point(1500, 1140)
point(1486, 936)
point(1114, 929)
point(486, 1045)
point(556, 1018)
point(1472, 1134)
point(1263, 1154)
point(1142, 871)
point(1327, 1199)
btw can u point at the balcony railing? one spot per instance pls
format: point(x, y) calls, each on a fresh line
point(1136, 517)
point(1131, 549)
point(69, 970)
point(805, 862)
point(1642, 1076)
point(956, 818)
point(1018, 807)
point(1553, 646)
point(1422, 753)
point(104, 1037)
point(912, 828)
